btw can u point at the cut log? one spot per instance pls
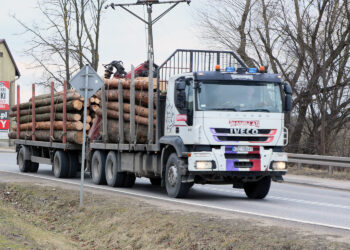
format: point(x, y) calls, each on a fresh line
point(140, 96)
point(115, 115)
point(44, 96)
point(44, 135)
point(140, 83)
point(46, 117)
point(97, 101)
point(94, 107)
point(88, 119)
point(74, 105)
point(113, 132)
point(139, 110)
point(57, 125)
point(47, 101)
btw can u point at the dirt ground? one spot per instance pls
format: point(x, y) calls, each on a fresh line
point(47, 217)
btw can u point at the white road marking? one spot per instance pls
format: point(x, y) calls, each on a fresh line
point(284, 198)
point(184, 202)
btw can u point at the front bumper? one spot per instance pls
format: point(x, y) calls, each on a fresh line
point(225, 159)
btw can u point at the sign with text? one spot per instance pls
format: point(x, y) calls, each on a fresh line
point(4, 104)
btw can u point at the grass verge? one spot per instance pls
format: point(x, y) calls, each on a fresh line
point(34, 217)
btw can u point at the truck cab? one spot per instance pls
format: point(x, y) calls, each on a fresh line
point(227, 127)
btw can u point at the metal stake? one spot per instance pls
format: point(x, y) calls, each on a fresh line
point(150, 22)
point(150, 76)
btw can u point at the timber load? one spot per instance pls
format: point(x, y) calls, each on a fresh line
point(113, 105)
point(56, 117)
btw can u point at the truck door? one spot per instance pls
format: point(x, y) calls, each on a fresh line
point(184, 109)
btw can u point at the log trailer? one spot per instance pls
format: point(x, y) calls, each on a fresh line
point(217, 122)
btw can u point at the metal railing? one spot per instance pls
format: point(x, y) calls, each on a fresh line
point(321, 160)
point(184, 61)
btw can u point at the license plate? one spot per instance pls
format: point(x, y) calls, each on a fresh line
point(242, 148)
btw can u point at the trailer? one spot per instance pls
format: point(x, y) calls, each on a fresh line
point(63, 156)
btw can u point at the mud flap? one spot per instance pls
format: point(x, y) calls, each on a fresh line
point(277, 178)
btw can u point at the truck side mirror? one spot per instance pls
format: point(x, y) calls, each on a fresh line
point(288, 103)
point(180, 95)
point(287, 89)
point(288, 97)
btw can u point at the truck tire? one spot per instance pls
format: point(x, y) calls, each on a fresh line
point(60, 164)
point(73, 165)
point(34, 166)
point(258, 189)
point(155, 181)
point(113, 177)
point(98, 163)
point(129, 180)
point(174, 187)
point(24, 165)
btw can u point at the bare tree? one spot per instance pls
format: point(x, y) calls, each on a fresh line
point(68, 39)
point(88, 16)
point(307, 42)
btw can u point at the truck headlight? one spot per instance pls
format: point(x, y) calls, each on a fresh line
point(204, 165)
point(279, 165)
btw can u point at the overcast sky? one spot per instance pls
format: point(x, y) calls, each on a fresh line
point(122, 37)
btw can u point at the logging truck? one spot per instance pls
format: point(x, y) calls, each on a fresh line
point(208, 119)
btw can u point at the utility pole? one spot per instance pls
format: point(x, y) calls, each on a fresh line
point(150, 22)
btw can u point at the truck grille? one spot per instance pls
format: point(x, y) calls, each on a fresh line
point(229, 135)
point(243, 138)
point(242, 156)
point(222, 130)
point(231, 131)
point(243, 164)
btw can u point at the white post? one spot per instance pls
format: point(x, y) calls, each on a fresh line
point(84, 138)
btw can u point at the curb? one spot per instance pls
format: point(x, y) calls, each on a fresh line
point(7, 150)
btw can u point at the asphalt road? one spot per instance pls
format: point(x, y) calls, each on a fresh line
point(290, 202)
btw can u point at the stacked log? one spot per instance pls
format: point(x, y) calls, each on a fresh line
point(74, 118)
point(94, 106)
point(112, 106)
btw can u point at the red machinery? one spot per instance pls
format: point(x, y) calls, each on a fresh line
point(140, 71)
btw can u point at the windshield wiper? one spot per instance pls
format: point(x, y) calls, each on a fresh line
point(256, 110)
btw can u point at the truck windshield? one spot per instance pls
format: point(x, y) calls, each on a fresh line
point(239, 96)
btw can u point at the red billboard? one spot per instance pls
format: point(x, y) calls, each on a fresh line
point(4, 104)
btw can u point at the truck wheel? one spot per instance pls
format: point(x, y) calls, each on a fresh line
point(129, 180)
point(34, 166)
point(73, 165)
point(98, 163)
point(155, 181)
point(113, 177)
point(60, 164)
point(24, 165)
point(258, 189)
point(174, 187)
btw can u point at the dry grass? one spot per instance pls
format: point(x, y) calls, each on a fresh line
point(45, 217)
point(338, 174)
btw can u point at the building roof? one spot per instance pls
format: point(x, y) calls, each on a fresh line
point(12, 59)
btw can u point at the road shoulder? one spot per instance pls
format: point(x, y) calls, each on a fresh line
point(162, 224)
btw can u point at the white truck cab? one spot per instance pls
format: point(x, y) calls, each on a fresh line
point(231, 125)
